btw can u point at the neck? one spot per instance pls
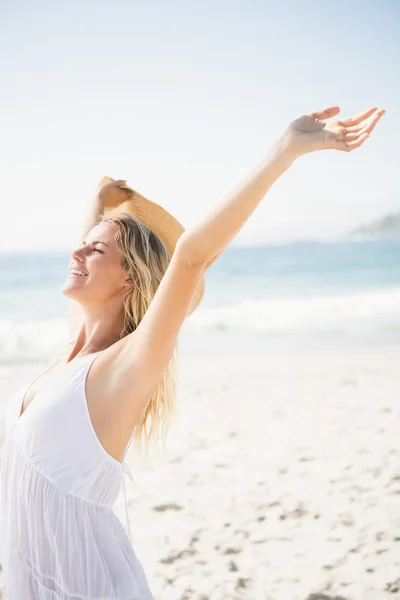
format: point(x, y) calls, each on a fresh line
point(100, 329)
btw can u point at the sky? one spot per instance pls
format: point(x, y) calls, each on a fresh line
point(183, 99)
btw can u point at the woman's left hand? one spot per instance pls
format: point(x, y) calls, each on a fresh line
point(312, 132)
point(112, 192)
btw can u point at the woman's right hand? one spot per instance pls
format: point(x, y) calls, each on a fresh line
point(112, 192)
point(315, 132)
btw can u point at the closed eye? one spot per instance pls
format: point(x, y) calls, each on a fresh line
point(94, 249)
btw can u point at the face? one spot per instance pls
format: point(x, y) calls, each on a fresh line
point(99, 258)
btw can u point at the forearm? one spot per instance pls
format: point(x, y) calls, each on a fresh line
point(206, 240)
point(95, 210)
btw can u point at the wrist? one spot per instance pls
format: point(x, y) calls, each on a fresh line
point(99, 202)
point(286, 151)
point(278, 160)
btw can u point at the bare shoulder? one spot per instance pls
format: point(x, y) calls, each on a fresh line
point(114, 409)
point(128, 372)
point(113, 395)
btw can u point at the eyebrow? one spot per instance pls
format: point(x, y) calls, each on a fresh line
point(96, 242)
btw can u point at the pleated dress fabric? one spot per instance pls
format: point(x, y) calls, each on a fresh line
point(60, 538)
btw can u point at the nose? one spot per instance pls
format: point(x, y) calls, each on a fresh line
point(77, 254)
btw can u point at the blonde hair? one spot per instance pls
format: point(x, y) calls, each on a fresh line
point(145, 259)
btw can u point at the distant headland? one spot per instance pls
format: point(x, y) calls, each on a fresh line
point(385, 228)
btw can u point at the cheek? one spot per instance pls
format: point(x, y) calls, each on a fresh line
point(108, 275)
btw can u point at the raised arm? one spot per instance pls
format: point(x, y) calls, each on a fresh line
point(138, 361)
point(304, 135)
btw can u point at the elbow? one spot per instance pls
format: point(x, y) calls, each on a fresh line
point(190, 253)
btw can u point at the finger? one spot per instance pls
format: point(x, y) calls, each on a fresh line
point(351, 121)
point(368, 127)
point(371, 124)
point(325, 113)
point(348, 146)
point(106, 179)
point(353, 136)
point(361, 126)
point(354, 129)
point(126, 188)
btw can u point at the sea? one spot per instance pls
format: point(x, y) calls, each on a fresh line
point(299, 293)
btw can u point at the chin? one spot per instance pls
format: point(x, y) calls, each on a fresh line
point(71, 291)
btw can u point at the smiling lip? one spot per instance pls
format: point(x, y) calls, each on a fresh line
point(76, 268)
point(71, 274)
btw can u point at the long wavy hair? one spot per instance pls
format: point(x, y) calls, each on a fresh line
point(145, 259)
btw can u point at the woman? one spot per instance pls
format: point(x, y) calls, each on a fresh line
point(64, 454)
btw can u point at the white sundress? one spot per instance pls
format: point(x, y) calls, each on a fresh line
point(60, 537)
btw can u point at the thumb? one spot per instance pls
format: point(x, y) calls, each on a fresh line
point(325, 113)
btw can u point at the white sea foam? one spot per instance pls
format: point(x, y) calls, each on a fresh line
point(373, 311)
point(31, 341)
point(370, 313)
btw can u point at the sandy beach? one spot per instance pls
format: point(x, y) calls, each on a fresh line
point(281, 479)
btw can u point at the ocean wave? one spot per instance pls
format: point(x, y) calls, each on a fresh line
point(31, 341)
point(373, 311)
point(366, 312)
